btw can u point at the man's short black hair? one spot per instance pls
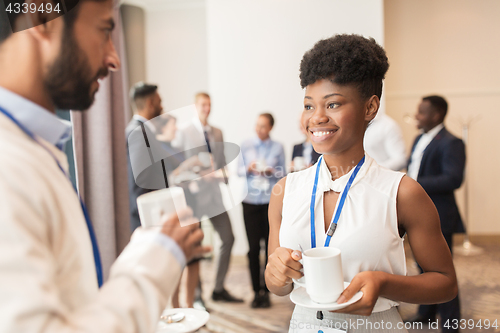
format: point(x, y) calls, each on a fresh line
point(438, 103)
point(140, 91)
point(7, 17)
point(5, 29)
point(346, 59)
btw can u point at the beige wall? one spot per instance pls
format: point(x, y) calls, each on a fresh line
point(176, 46)
point(134, 31)
point(452, 48)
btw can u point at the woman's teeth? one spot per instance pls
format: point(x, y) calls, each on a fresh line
point(318, 134)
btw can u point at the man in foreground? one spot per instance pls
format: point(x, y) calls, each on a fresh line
point(49, 257)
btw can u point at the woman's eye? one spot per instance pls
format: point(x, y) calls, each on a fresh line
point(307, 107)
point(333, 105)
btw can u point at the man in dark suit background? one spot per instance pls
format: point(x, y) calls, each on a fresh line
point(437, 162)
point(147, 105)
point(305, 150)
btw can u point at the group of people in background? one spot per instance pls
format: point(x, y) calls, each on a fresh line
point(182, 148)
point(52, 272)
point(437, 162)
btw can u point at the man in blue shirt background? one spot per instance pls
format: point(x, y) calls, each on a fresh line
point(263, 164)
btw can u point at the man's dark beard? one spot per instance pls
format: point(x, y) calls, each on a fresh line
point(68, 82)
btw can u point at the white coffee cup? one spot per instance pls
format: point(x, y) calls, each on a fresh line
point(165, 201)
point(323, 274)
point(260, 165)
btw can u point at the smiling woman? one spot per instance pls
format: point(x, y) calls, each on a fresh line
point(349, 202)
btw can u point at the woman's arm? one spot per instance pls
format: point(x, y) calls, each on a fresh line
point(282, 263)
point(419, 218)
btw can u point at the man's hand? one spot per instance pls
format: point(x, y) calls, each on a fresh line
point(252, 168)
point(188, 237)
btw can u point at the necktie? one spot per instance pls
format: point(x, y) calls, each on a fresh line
point(151, 155)
point(207, 141)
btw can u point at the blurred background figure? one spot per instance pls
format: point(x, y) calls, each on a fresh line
point(175, 159)
point(303, 155)
point(263, 165)
point(176, 164)
point(437, 163)
point(384, 143)
point(198, 133)
point(147, 105)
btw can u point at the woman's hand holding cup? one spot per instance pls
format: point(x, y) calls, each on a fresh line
point(370, 283)
point(283, 265)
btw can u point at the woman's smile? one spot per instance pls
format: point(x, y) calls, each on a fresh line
point(320, 135)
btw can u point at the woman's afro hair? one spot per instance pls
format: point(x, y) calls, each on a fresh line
point(346, 59)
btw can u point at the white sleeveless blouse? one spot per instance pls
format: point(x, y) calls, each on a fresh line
point(367, 231)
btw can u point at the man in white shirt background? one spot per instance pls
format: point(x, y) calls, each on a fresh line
point(437, 162)
point(49, 259)
point(384, 142)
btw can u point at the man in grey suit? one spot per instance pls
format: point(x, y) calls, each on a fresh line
point(198, 134)
point(147, 105)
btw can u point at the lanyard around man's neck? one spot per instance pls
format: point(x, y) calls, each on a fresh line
point(95, 248)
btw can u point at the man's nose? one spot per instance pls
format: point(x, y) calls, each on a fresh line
point(112, 60)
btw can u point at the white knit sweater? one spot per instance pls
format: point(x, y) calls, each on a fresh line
point(47, 272)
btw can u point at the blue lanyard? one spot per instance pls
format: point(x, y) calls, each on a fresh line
point(335, 219)
point(95, 248)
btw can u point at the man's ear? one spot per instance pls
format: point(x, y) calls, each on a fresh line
point(148, 103)
point(438, 119)
point(372, 106)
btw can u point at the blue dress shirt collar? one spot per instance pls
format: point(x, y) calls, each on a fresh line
point(35, 118)
point(259, 142)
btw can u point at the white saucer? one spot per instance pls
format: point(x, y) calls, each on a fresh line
point(299, 296)
point(194, 320)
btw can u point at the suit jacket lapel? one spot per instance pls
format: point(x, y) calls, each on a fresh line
point(432, 145)
point(413, 148)
point(300, 150)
